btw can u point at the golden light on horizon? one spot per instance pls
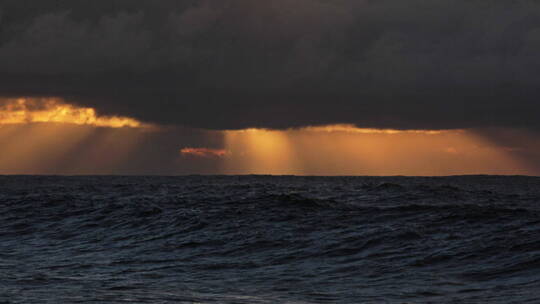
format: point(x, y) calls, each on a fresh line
point(259, 151)
point(348, 150)
point(54, 148)
point(55, 110)
point(48, 135)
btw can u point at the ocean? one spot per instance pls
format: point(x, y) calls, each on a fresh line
point(269, 239)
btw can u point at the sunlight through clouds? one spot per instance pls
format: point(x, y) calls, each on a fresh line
point(348, 150)
point(54, 110)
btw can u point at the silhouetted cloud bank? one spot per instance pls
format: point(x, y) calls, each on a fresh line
point(417, 64)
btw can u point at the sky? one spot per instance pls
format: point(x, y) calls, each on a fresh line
point(306, 87)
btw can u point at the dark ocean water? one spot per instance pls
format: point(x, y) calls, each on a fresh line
point(256, 239)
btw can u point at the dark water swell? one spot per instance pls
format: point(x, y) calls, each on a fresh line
point(257, 239)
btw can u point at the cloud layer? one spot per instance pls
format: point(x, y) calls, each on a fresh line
point(418, 64)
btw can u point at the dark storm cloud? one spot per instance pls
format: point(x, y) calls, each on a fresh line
point(283, 63)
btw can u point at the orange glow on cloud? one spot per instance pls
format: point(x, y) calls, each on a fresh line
point(49, 136)
point(203, 152)
point(53, 110)
point(348, 128)
point(347, 150)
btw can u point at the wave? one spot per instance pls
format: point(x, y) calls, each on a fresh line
point(270, 239)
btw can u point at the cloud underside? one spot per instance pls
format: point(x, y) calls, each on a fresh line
point(235, 64)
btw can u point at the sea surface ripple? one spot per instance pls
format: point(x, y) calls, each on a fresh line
point(264, 239)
